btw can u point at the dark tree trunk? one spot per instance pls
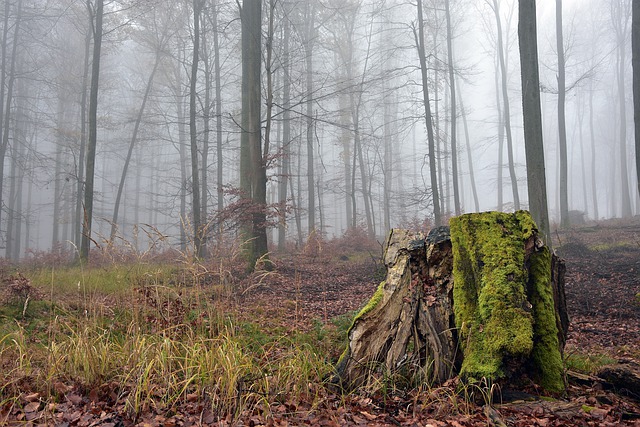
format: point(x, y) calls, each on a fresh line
point(442, 309)
point(196, 210)
point(532, 117)
point(419, 36)
point(635, 61)
point(93, 130)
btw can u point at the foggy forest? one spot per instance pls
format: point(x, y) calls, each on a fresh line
point(344, 137)
point(319, 213)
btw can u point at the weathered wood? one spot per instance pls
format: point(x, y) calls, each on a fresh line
point(412, 323)
point(413, 305)
point(623, 377)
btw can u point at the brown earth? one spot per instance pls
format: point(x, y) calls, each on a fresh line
point(602, 287)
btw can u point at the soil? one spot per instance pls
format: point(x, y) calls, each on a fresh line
point(602, 288)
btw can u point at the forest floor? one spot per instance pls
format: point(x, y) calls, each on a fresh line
point(322, 287)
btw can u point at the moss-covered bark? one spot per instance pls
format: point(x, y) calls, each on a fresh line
point(487, 289)
point(503, 299)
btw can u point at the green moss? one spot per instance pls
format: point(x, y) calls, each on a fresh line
point(373, 302)
point(491, 301)
point(375, 299)
point(546, 356)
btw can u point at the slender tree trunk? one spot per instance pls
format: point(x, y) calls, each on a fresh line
point(286, 138)
point(204, 166)
point(309, 45)
point(419, 36)
point(506, 109)
point(386, 171)
point(218, 89)
point(182, 151)
point(132, 143)
point(196, 224)
point(55, 237)
point(454, 112)
point(621, 18)
point(562, 127)
point(594, 180)
point(93, 128)
point(534, 147)
point(9, 97)
point(500, 184)
point(472, 177)
point(83, 143)
point(583, 171)
point(635, 61)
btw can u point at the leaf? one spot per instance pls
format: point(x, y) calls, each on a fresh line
point(32, 407)
point(368, 416)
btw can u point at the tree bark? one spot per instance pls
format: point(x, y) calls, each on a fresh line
point(285, 151)
point(252, 165)
point(562, 126)
point(635, 61)
point(620, 14)
point(533, 141)
point(506, 109)
point(198, 241)
point(132, 143)
point(93, 129)
point(486, 301)
point(419, 36)
point(454, 112)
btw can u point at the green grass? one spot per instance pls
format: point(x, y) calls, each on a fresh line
point(587, 363)
point(156, 340)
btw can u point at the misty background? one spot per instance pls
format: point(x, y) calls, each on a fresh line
point(347, 135)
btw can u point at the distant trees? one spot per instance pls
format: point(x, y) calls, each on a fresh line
point(366, 105)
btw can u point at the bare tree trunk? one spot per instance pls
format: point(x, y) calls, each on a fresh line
point(500, 184)
point(206, 112)
point(635, 61)
point(286, 138)
point(55, 237)
point(621, 13)
point(96, 15)
point(419, 37)
point(472, 177)
point(9, 97)
point(562, 126)
point(132, 143)
point(196, 212)
point(506, 108)
point(594, 187)
point(252, 164)
point(218, 89)
point(308, 48)
point(78, 222)
point(534, 148)
point(454, 112)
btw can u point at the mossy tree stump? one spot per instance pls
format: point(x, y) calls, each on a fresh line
point(486, 301)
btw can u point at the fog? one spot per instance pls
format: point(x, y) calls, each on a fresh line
point(347, 129)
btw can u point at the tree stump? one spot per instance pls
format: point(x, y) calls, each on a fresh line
point(481, 302)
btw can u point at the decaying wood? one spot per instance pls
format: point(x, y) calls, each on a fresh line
point(414, 306)
point(408, 327)
point(623, 377)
